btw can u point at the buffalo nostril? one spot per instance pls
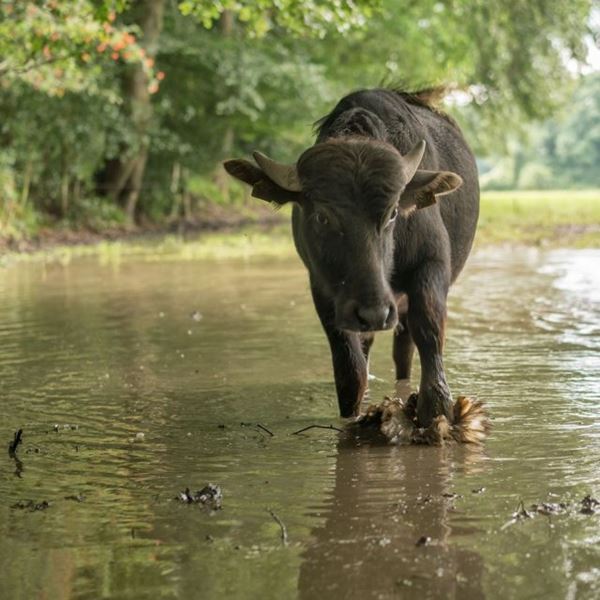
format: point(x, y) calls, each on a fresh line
point(372, 317)
point(362, 318)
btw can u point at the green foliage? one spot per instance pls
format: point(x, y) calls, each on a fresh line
point(315, 18)
point(57, 46)
point(563, 151)
point(95, 214)
point(235, 75)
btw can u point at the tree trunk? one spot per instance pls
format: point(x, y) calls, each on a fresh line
point(123, 178)
point(64, 193)
point(76, 193)
point(186, 198)
point(220, 176)
point(27, 174)
point(174, 188)
point(135, 184)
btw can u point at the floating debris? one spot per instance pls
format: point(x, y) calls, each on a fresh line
point(397, 421)
point(479, 490)
point(58, 427)
point(210, 496)
point(549, 508)
point(522, 512)
point(17, 439)
point(196, 316)
point(76, 497)
point(31, 505)
point(424, 540)
point(589, 506)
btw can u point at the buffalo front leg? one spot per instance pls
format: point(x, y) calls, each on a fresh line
point(349, 354)
point(404, 349)
point(427, 321)
point(349, 370)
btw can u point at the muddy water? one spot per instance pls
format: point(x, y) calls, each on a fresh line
point(148, 398)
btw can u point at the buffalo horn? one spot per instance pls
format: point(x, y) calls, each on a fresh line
point(412, 160)
point(284, 176)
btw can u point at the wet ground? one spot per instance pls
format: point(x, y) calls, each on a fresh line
point(136, 379)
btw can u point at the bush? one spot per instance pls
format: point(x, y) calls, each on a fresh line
point(95, 214)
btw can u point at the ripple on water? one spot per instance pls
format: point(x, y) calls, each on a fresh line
point(114, 352)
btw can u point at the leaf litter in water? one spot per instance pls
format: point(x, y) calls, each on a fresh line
point(209, 496)
point(424, 540)
point(587, 506)
point(31, 505)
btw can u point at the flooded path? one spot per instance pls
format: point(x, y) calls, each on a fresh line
point(134, 379)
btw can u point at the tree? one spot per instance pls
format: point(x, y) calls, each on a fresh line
point(93, 92)
point(122, 178)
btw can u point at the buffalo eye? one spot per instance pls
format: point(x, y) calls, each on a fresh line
point(321, 219)
point(393, 215)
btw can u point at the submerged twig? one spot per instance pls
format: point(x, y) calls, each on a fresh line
point(317, 427)
point(17, 439)
point(258, 426)
point(284, 533)
point(520, 514)
point(265, 429)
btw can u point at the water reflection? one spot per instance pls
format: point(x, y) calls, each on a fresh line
point(387, 528)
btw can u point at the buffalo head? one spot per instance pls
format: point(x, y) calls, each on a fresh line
point(350, 194)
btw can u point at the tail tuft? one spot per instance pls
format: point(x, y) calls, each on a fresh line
point(395, 419)
point(471, 421)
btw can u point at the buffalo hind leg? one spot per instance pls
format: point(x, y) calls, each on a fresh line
point(349, 354)
point(426, 321)
point(404, 349)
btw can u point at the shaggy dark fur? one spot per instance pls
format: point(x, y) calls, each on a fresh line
point(381, 242)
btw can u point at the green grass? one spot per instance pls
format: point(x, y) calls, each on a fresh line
point(243, 244)
point(555, 218)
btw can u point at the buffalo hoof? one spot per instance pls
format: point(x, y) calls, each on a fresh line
point(397, 421)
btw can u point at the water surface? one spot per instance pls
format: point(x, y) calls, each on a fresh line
point(194, 353)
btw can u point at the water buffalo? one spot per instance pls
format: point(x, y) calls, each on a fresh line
point(380, 242)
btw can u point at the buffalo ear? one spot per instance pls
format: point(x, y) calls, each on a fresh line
point(423, 189)
point(262, 187)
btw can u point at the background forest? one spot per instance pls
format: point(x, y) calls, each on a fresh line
point(115, 112)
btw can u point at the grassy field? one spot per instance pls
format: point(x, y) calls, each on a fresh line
point(553, 218)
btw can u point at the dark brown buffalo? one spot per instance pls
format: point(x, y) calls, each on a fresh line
point(380, 240)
